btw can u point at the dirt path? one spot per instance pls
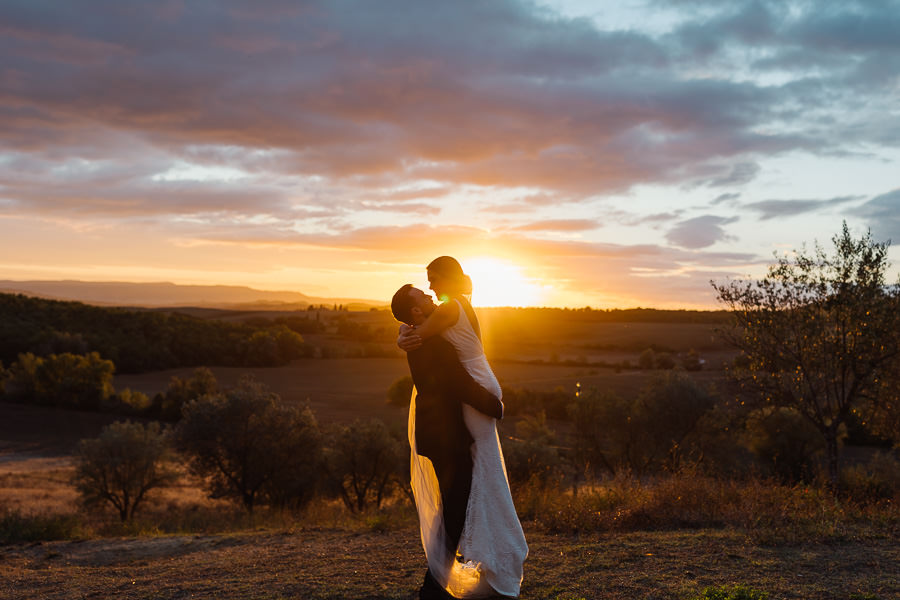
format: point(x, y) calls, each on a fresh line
point(324, 564)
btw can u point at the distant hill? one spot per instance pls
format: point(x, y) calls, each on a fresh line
point(164, 294)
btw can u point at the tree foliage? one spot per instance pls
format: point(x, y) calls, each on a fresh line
point(167, 405)
point(122, 465)
point(64, 380)
point(138, 341)
point(250, 446)
point(820, 333)
point(656, 430)
point(364, 463)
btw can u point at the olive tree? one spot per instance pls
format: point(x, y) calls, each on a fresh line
point(820, 332)
point(363, 463)
point(122, 465)
point(250, 446)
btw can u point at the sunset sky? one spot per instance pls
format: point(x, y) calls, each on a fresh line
point(569, 153)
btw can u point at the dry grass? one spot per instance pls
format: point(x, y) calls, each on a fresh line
point(321, 563)
point(767, 512)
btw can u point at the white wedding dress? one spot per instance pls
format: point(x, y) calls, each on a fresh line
point(492, 543)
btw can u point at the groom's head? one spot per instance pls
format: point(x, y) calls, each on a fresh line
point(411, 305)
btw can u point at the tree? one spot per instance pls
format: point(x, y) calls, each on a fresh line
point(181, 391)
point(400, 392)
point(122, 465)
point(820, 333)
point(785, 442)
point(654, 430)
point(250, 446)
point(363, 463)
point(65, 380)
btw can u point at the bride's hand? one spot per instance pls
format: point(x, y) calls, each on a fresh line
point(408, 339)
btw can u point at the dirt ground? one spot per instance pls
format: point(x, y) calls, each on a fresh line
point(329, 564)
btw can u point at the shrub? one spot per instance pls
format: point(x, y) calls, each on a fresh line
point(16, 527)
point(877, 480)
point(168, 405)
point(122, 465)
point(655, 430)
point(249, 446)
point(691, 361)
point(785, 443)
point(532, 456)
point(647, 359)
point(364, 463)
point(400, 392)
point(665, 361)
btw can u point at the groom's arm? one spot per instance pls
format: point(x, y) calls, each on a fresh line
point(458, 382)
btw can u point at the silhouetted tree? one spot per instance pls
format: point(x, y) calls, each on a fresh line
point(247, 443)
point(363, 462)
point(122, 465)
point(820, 332)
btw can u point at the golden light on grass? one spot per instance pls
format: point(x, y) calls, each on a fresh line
point(499, 283)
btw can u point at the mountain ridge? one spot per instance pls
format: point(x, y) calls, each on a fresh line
point(166, 294)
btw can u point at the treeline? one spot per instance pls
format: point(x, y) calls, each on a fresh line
point(612, 315)
point(138, 341)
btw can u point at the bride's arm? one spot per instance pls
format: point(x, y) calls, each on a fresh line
point(443, 317)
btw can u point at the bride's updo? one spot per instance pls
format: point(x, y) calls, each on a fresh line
point(450, 271)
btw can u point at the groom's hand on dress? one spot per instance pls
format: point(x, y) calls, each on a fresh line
point(408, 340)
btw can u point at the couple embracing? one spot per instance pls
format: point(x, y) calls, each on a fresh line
point(472, 537)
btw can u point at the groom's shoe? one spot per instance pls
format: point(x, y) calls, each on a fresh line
point(431, 590)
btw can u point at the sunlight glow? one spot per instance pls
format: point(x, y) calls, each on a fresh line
point(498, 283)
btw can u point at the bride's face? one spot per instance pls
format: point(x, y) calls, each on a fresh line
point(438, 285)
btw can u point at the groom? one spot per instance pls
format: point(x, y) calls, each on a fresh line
point(442, 385)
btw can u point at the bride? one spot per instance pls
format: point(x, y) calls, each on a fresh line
point(492, 547)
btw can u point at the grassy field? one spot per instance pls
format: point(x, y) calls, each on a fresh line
point(185, 545)
point(316, 563)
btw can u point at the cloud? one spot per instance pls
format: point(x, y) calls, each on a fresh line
point(499, 95)
point(729, 198)
point(741, 174)
point(560, 225)
point(699, 232)
point(771, 209)
point(883, 215)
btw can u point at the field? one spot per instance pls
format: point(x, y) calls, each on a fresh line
point(316, 563)
point(209, 550)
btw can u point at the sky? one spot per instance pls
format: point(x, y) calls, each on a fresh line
point(568, 153)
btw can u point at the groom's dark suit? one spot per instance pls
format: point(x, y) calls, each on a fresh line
point(442, 385)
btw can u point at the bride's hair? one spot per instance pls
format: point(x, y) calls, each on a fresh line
point(450, 269)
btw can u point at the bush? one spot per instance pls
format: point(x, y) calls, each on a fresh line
point(122, 465)
point(17, 528)
point(647, 359)
point(532, 456)
point(251, 447)
point(877, 480)
point(400, 392)
point(785, 443)
point(364, 463)
point(656, 430)
point(691, 361)
point(168, 405)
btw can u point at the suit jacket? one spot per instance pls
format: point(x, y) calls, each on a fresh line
point(442, 385)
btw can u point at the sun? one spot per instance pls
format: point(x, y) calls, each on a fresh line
point(499, 283)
